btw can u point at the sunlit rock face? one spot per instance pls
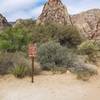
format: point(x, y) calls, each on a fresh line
point(88, 22)
point(54, 11)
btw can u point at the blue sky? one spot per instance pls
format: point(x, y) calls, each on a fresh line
point(15, 9)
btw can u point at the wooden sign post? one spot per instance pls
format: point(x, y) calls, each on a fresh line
point(32, 54)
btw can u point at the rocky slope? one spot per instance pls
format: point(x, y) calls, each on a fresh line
point(3, 22)
point(54, 11)
point(88, 22)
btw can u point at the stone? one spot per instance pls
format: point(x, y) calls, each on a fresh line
point(87, 22)
point(54, 11)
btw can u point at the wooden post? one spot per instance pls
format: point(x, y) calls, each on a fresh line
point(32, 69)
point(32, 54)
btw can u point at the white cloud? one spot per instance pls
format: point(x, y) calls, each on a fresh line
point(12, 5)
point(33, 13)
point(14, 9)
point(81, 5)
point(18, 15)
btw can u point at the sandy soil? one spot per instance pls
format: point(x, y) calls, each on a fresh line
point(49, 87)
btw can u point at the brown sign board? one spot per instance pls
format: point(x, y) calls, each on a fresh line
point(32, 50)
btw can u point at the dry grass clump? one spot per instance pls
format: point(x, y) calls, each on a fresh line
point(17, 64)
point(84, 71)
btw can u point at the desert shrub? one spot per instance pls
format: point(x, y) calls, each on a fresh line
point(18, 71)
point(10, 60)
point(14, 63)
point(14, 39)
point(44, 33)
point(5, 63)
point(64, 34)
point(24, 31)
point(89, 48)
point(82, 70)
point(68, 36)
point(52, 54)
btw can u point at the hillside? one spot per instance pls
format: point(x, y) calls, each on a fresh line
point(87, 21)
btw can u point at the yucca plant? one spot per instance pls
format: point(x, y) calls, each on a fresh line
point(18, 71)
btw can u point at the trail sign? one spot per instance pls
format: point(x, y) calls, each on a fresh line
point(32, 50)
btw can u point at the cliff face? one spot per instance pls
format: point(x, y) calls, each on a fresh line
point(88, 22)
point(54, 11)
point(3, 22)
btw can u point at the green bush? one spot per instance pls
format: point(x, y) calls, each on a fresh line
point(52, 54)
point(14, 39)
point(64, 34)
point(18, 71)
point(44, 33)
point(68, 36)
point(90, 48)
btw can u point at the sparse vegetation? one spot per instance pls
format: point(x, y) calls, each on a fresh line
point(66, 35)
point(83, 71)
point(52, 55)
point(14, 39)
point(10, 60)
point(57, 48)
point(88, 47)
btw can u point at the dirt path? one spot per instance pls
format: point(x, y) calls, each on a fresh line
point(49, 87)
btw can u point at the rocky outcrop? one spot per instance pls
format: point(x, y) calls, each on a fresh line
point(3, 22)
point(54, 11)
point(88, 22)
